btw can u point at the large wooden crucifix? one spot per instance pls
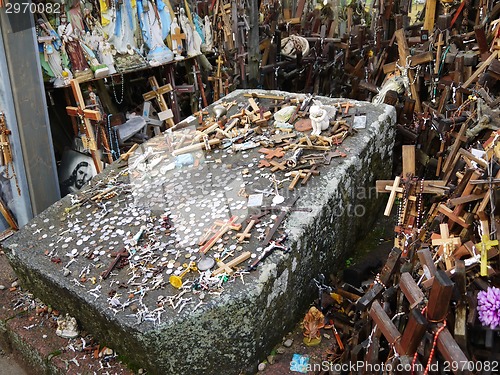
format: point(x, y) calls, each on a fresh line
point(157, 93)
point(394, 187)
point(85, 116)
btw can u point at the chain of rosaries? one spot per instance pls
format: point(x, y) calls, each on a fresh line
point(6, 152)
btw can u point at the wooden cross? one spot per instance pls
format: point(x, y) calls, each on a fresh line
point(278, 166)
point(157, 93)
point(454, 216)
point(303, 174)
point(279, 138)
point(272, 153)
point(447, 244)
point(385, 186)
point(485, 245)
point(85, 116)
point(309, 172)
point(246, 233)
point(439, 45)
point(224, 227)
point(403, 54)
point(392, 196)
point(347, 106)
point(333, 154)
point(178, 37)
point(119, 256)
point(227, 267)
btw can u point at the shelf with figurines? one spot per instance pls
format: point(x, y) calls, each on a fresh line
point(93, 40)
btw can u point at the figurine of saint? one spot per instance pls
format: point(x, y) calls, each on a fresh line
point(155, 25)
point(106, 55)
point(72, 46)
point(124, 27)
point(193, 39)
point(209, 39)
point(76, 19)
point(50, 45)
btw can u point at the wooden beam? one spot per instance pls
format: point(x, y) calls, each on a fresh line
point(430, 15)
point(439, 297)
point(481, 69)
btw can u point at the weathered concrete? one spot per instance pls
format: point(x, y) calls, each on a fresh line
point(231, 332)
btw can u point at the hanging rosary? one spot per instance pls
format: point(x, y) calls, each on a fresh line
point(114, 92)
point(6, 152)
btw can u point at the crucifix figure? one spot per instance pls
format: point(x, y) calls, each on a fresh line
point(485, 245)
point(85, 116)
point(157, 94)
point(448, 243)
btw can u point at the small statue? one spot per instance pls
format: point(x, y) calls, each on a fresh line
point(320, 119)
point(193, 39)
point(312, 323)
point(67, 327)
point(72, 46)
point(209, 39)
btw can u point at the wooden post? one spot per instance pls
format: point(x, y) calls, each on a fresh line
point(414, 332)
point(439, 297)
point(430, 15)
point(386, 325)
point(411, 290)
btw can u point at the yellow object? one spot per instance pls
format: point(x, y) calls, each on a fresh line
point(104, 10)
point(337, 297)
point(176, 281)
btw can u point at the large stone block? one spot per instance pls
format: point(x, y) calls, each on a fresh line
point(232, 331)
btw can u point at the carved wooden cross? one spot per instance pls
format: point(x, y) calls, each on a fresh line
point(157, 93)
point(246, 233)
point(224, 227)
point(447, 244)
point(85, 116)
point(272, 153)
point(178, 37)
point(347, 106)
point(227, 267)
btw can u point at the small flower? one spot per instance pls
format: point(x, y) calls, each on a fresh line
point(488, 306)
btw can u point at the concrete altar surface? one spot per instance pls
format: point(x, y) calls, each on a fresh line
point(158, 206)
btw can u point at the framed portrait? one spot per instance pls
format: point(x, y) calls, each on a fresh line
point(75, 171)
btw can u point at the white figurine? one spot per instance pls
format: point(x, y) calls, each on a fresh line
point(209, 40)
point(155, 31)
point(193, 39)
point(320, 119)
point(67, 327)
